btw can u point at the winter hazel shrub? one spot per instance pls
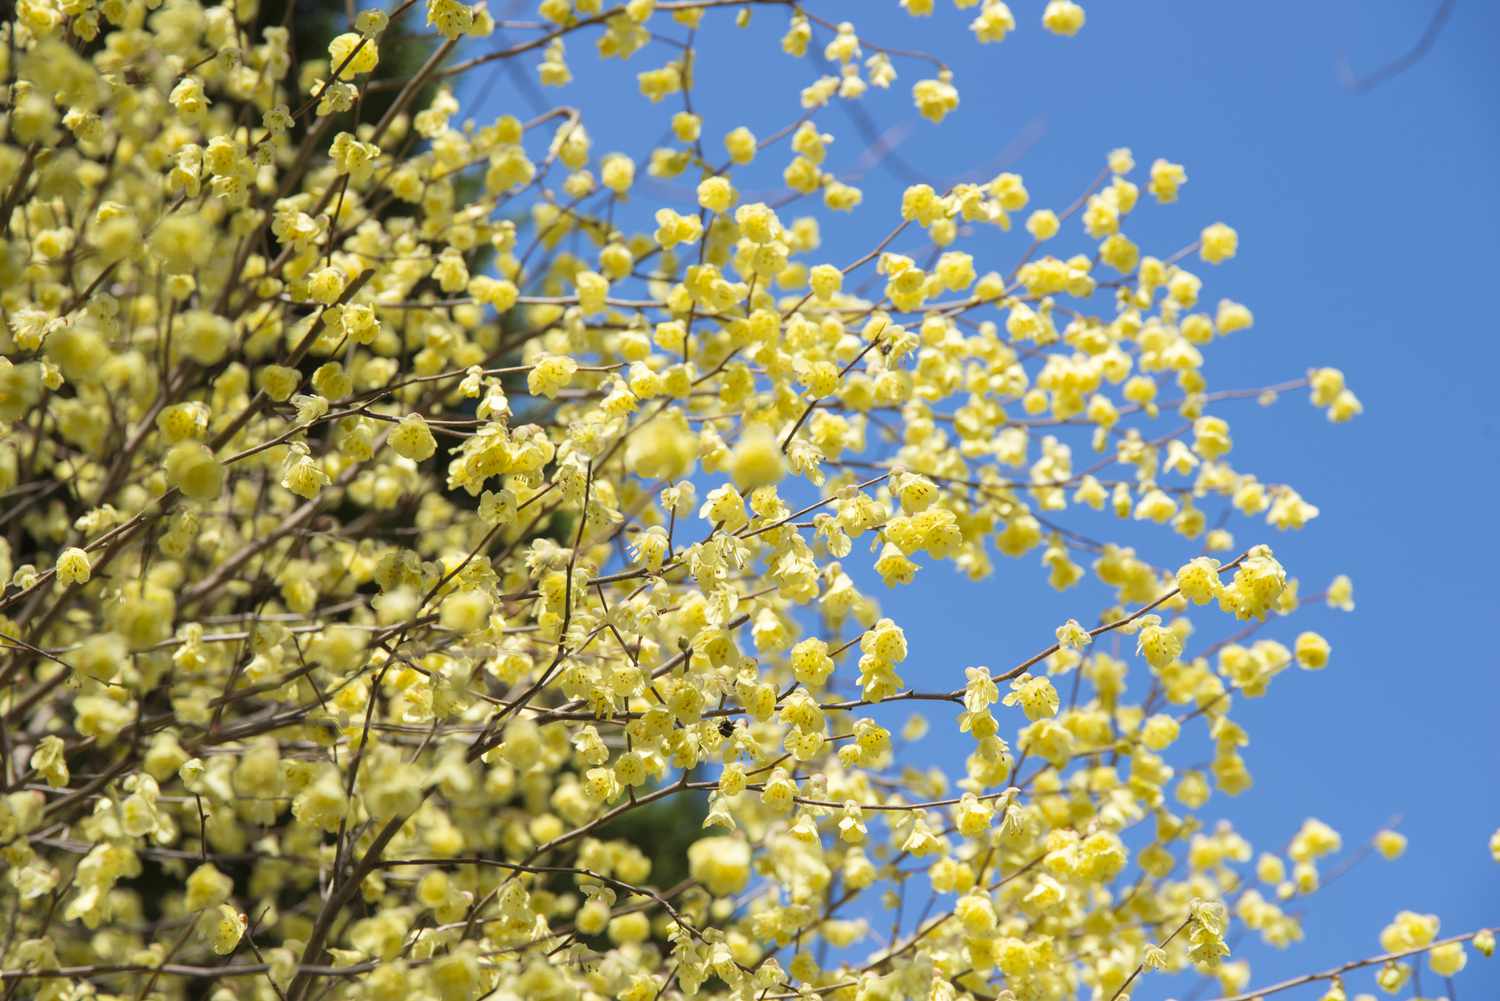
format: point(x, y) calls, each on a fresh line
point(401, 509)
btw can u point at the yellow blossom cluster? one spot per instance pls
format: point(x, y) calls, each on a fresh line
point(394, 504)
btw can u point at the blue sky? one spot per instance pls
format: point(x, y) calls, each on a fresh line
point(1367, 227)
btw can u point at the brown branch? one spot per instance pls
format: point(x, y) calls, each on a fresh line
point(1394, 68)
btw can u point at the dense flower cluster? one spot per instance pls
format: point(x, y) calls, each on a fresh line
point(391, 507)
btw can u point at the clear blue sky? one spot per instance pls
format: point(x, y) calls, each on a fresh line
point(1367, 240)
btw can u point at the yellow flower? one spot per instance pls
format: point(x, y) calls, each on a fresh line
point(1312, 651)
point(1157, 643)
point(207, 887)
point(551, 375)
point(1062, 17)
point(1198, 580)
point(721, 864)
point(49, 761)
point(412, 439)
point(326, 285)
point(1036, 697)
point(73, 566)
point(355, 53)
point(1390, 844)
point(935, 98)
point(994, 22)
point(740, 144)
point(192, 467)
point(1167, 179)
point(1218, 243)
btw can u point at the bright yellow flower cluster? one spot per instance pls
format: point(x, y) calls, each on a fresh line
point(392, 505)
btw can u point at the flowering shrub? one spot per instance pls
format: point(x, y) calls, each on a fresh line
point(393, 505)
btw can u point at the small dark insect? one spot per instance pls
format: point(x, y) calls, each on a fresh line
point(726, 727)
